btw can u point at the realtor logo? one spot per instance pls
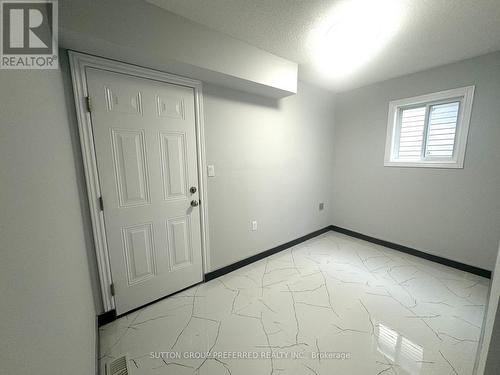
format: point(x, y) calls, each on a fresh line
point(29, 34)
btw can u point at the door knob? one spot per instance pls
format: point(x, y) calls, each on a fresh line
point(194, 203)
point(193, 189)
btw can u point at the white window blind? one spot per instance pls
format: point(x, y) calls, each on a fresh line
point(411, 137)
point(440, 126)
point(442, 129)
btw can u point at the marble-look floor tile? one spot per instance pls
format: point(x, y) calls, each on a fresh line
point(333, 304)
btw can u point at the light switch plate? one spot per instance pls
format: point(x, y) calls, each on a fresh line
point(211, 170)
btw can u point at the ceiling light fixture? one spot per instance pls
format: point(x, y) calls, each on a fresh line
point(354, 32)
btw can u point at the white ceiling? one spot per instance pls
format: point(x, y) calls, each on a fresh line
point(432, 33)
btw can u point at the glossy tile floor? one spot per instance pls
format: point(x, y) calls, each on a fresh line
point(332, 305)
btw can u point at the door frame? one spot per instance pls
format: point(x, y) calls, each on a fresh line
point(78, 64)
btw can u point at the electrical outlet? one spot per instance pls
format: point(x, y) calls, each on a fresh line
point(254, 225)
point(321, 206)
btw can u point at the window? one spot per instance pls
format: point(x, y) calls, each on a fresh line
point(429, 130)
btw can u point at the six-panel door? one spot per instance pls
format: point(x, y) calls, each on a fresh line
point(145, 140)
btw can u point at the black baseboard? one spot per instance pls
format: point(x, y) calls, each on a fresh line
point(264, 254)
point(110, 316)
point(106, 317)
point(421, 254)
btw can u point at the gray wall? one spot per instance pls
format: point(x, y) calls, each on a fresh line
point(47, 310)
point(453, 213)
point(273, 162)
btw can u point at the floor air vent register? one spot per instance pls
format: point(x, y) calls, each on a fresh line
point(118, 366)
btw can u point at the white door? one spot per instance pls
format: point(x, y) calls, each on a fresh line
point(145, 144)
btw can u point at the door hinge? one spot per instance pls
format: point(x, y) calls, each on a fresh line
point(112, 289)
point(101, 204)
point(87, 102)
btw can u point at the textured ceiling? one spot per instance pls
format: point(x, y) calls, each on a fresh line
point(432, 32)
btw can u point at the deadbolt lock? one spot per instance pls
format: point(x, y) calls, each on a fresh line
point(193, 189)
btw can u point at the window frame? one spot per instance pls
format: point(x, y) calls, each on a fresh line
point(464, 95)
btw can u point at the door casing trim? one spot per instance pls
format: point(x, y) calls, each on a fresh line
point(79, 62)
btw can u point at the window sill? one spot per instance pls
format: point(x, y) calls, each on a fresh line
point(424, 164)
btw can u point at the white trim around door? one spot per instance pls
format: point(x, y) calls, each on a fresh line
point(79, 62)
